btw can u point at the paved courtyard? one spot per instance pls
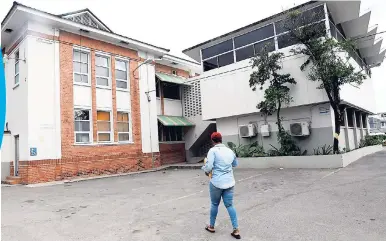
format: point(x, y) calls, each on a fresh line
point(340, 204)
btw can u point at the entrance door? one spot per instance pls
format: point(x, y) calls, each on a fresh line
point(16, 165)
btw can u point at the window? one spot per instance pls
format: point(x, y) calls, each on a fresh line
point(123, 126)
point(358, 119)
point(364, 120)
point(244, 53)
point(104, 126)
point(121, 75)
point(210, 64)
point(157, 89)
point(254, 36)
point(174, 72)
point(17, 76)
point(383, 124)
point(225, 59)
point(171, 91)
point(82, 126)
point(217, 49)
point(102, 70)
point(170, 133)
point(81, 66)
point(350, 119)
point(269, 44)
point(286, 40)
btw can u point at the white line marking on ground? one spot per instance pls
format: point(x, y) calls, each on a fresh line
point(172, 200)
point(329, 174)
point(247, 178)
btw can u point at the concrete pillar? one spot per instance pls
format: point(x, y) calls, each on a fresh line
point(346, 132)
point(355, 129)
point(361, 124)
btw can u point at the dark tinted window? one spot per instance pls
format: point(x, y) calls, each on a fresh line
point(269, 44)
point(225, 59)
point(244, 53)
point(307, 17)
point(286, 40)
point(217, 49)
point(364, 120)
point(157, 88)
point(358, 119)
point(254, 36)
point(171, 91)
point(210, 64)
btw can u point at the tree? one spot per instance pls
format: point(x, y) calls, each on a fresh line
point(327, 61)
point(276, 95)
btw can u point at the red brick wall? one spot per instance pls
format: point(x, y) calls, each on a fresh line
point(168, 70)
point(172, 153)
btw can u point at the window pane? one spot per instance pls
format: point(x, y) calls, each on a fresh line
point(76, 56)
point(84, 68)
point(82, 115)
point(102, 71)
point(210, 64)
point(17, 68)
point(84, 58)
point(254, 36)
point(217, 49)
point(103, 115)
point(17, 56)
point(171, 91)
point(123, 127)
point(76, 67)
point(103, 137)
point(102, 81)
point(225, 59)
point(101, 61)
point(286, 40)
point(120, 65)
point(16, 79)
point(121, 84)
point(82, 137)
point(80, 78)
point(103, 126)
point(120, 74)
point(121, 116)
point(268, 44)
point(82, 126)
point(123, 137)
point(244, 53)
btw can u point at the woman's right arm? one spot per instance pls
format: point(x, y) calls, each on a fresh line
point(235, 162)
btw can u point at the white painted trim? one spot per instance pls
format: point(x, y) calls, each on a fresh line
point(109, 78)
point(91, 136)
point(89, 14)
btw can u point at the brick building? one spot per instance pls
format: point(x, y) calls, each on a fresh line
point(83, 100)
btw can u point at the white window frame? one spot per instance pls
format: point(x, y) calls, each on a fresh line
point(17, 74)
point(127, 61)
point(83, 132)
point(103, 55)
point(111, 127)
point(88, 52)
point(130, 129)
point(174, 72)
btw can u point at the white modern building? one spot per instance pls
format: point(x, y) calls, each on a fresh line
point(378, 123)
point(227, 99)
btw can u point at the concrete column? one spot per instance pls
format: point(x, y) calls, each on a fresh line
point(355, 129)
point(346, 132)
point(361, 124)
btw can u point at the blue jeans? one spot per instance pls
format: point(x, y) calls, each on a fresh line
point(227, 197)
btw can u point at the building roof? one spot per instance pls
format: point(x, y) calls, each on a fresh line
point(62, 16)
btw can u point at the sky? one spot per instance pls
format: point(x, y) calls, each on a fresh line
point(178, 25)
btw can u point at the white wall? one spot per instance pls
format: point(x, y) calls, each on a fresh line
point(351, 139)
point(82, 96)
point(159, 109)
point(172, 107)
point(232, 92)
point(17, 100)
point(104, 99)
point(44, 98)
point(123, 100)
point(149, 121)
point(7, 154)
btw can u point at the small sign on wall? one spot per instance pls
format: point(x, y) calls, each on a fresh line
point(323, 110)
point(33, 151)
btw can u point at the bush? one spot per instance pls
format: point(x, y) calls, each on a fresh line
point(372, 141)
point(288, 146)
point(249, 150)
point(324, 150)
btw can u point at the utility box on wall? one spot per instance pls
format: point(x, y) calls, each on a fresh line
point(247, 131)
point(265, 130)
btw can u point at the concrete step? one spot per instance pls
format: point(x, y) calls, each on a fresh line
point(13, 180)
point(194, 160)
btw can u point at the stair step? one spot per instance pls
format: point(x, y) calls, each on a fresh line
point(12, 180)
point(194, 160)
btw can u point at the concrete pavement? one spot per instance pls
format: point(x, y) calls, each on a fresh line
point(339, 204)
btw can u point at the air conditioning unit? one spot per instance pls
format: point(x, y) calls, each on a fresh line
point(246, 131)
point(265, 130)
point(300, 129)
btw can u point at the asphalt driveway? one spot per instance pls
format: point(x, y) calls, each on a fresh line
point(274, 204)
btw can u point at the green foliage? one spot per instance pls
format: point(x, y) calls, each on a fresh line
point(372, 141)
point(288, 146)
point(324, 150)
point(249, 150)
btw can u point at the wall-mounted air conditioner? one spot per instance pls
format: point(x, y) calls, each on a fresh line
point(246, 131)
point(300, 129)
point(265, 130)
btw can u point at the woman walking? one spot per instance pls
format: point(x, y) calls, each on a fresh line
point(220, 163)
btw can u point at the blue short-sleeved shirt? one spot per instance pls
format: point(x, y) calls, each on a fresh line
point(220, 161)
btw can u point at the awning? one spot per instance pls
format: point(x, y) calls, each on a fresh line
point(174, 121)
point(171, 79)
